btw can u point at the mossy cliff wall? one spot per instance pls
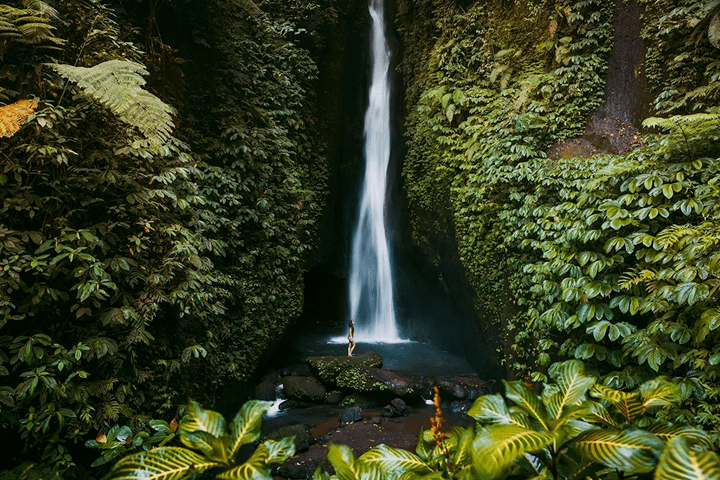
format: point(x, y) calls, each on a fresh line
point(521, 166)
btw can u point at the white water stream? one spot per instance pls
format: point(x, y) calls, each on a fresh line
point(371, 283)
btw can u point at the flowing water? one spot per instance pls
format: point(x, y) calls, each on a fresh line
point(371, 283)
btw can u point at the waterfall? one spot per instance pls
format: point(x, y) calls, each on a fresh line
point(371, 284)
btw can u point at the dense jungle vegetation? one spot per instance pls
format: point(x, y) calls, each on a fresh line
point(153, 235)
point(609, 258)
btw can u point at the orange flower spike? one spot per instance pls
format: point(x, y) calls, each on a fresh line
point(173, 425)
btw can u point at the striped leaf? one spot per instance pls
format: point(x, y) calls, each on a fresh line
point(497, 447)
point(201, 420)
point(630, 451)
point(630, 404)
point(424, 447)
point(281, 450)
point(694, 436)
point(343, 461)
point(492, 409)
point(679, 462)
point(659, 392)
point(166, 463)
point(525, 398)
point(572, 384)
point(463, 453)
point(255, 468)
point(245, 427)
point(394, 462)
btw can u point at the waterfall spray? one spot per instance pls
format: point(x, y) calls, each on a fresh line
point(371, 284)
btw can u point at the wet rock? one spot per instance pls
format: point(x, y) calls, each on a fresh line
point(459, 407)
point(327, 368)
point(359, 399)
point(293, 469)
point(367, 379)
point(334, 397)
point(301, 432)
point(299, 370)
point(388, 411)
point(303, 388)
point(350, 415)
point(400, 406)
point(291, 404)
point(450, 389)
point(462, 387)
point(265, 390)
point(376, 421)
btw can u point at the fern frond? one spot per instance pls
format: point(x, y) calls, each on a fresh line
point(117, 84)
point(13, 116)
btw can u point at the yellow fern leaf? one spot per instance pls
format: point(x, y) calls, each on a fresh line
point(13, 116)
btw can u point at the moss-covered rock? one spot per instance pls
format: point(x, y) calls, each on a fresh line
point(368, 379)
point(362, 400)
point(303, 388)
point(327, 368)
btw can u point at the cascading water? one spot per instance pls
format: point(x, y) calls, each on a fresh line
point(371, 284)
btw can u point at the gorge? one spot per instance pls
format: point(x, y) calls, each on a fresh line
point(182, 188)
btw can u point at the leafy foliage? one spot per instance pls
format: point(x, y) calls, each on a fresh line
point(521, 437)
point(204, 431)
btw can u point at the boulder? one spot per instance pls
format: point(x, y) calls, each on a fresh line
point(303, 388)
point(359, 399)
point(368, 379)
point(301, 432)
point(462, 387)
point(265, 390)
point(350, 415)
point(334, 397)
point(327, 368)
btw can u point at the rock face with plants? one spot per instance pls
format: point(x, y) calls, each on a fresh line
point(609, 258)
point(158, 203)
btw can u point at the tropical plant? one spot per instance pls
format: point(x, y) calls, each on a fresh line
point(210, 444)
point(117, 85)
point(560, 434)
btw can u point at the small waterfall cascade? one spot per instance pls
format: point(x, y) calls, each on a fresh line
point(371, 284)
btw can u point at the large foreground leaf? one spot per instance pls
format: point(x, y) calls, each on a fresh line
point(572, 383)
point(245, 427)
point(630, 451)
point(498, 446)
point(166, 463)
point(394, 462)
point(679, 462)
point(492, 409)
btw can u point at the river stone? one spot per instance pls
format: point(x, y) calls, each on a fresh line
point(327, 368)
point(334, 397)
point(303, 388)
point(265, 390)
point(361, 400)
point(367, 379)
point(350, 415)
point(462, 387)
point(301, 432)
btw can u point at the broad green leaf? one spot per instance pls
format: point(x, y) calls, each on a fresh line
point(525, 398)
point(464, 451)
point(201, 420)
point(630, 404)
point(630, 451)
point(280, 450)
point(423, 448)
point(166, 463)
point(498, 446)
point(572, 383)
point(679, 462)
point(214, 448)
point(394, 462)
point(693, 435)
point(659, 392)
point(255, 468)
point(343, 461)
point(245, 427)
point(492, 409)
